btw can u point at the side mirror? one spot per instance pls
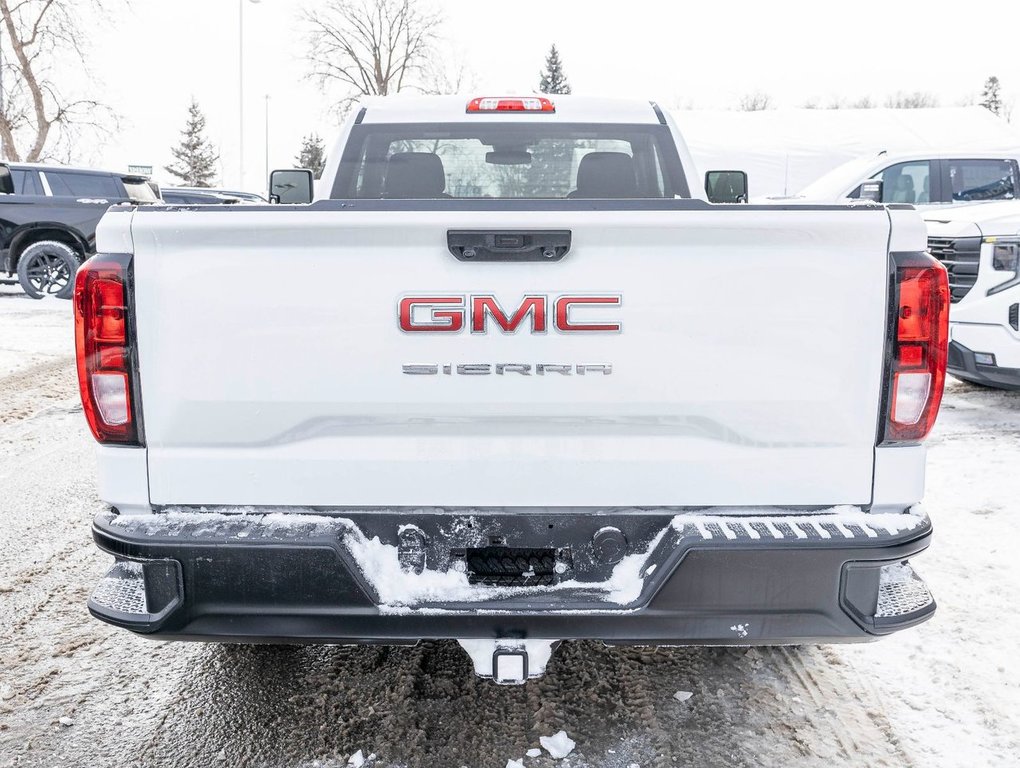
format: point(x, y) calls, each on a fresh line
point(872, 190)
point(726, 186)
point(6, 180)
point(293, 186)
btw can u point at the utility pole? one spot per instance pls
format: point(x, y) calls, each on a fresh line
point(266, 175)
point(240, 93)
point(240, 88)
point(3, 107)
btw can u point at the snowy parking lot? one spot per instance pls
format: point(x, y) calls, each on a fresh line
point(74, 691)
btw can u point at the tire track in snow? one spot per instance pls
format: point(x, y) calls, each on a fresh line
point(820, 674)
point(639, 695)
point(26, 392)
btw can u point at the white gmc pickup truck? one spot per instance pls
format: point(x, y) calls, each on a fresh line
point(979, 245)
point(512, 379)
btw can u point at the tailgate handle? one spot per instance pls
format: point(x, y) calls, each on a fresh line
point(508, 244)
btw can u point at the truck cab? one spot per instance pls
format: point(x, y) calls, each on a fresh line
point(923, 178)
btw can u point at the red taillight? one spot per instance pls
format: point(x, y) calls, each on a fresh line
point(919, 331)
point(511, 104)
point(103, 348)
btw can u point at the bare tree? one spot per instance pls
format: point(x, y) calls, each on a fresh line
point(38, 118)
point(682, 104)
point(371, 47)
point(444, 76)
point(755, 102)
point(915, 100)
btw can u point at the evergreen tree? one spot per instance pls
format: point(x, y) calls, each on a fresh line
point(313, 154)
point(990, 98)
point(553, 79)
point(195, 156)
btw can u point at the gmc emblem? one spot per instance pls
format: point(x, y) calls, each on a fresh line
point(450, 314)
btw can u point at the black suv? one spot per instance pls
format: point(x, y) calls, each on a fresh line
point(207, 196)
point(48, 218)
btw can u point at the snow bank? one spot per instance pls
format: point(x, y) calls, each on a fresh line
point(784, 150)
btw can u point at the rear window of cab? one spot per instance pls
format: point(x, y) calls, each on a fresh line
point(533, 160)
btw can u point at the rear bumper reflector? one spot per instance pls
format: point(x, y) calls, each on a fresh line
point(901, 592)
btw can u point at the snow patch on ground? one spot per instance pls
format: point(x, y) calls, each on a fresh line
point(33, 331)
point(558, 745)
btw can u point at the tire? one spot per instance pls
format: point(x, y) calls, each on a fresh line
point(47, 268)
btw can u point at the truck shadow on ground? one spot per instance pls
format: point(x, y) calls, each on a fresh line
point(423, 706)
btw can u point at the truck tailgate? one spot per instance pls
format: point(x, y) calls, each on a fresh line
point(747, 369)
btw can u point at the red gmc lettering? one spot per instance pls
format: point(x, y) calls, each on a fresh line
point(564, 303)
point(482, 306)
point(448, 314)
point(442, 320)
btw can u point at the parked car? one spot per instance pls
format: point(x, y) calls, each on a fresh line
point(980, 246)
point(206, 196)
point(538, 385)
point(922, 178)
point(175, 196)
point(48, 218)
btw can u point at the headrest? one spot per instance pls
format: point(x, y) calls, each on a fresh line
point(415, 175)
point(606, 174)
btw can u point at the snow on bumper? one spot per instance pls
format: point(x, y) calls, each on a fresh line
point(632, 575)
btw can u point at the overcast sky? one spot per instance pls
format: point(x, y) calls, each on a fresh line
point(150, 59)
